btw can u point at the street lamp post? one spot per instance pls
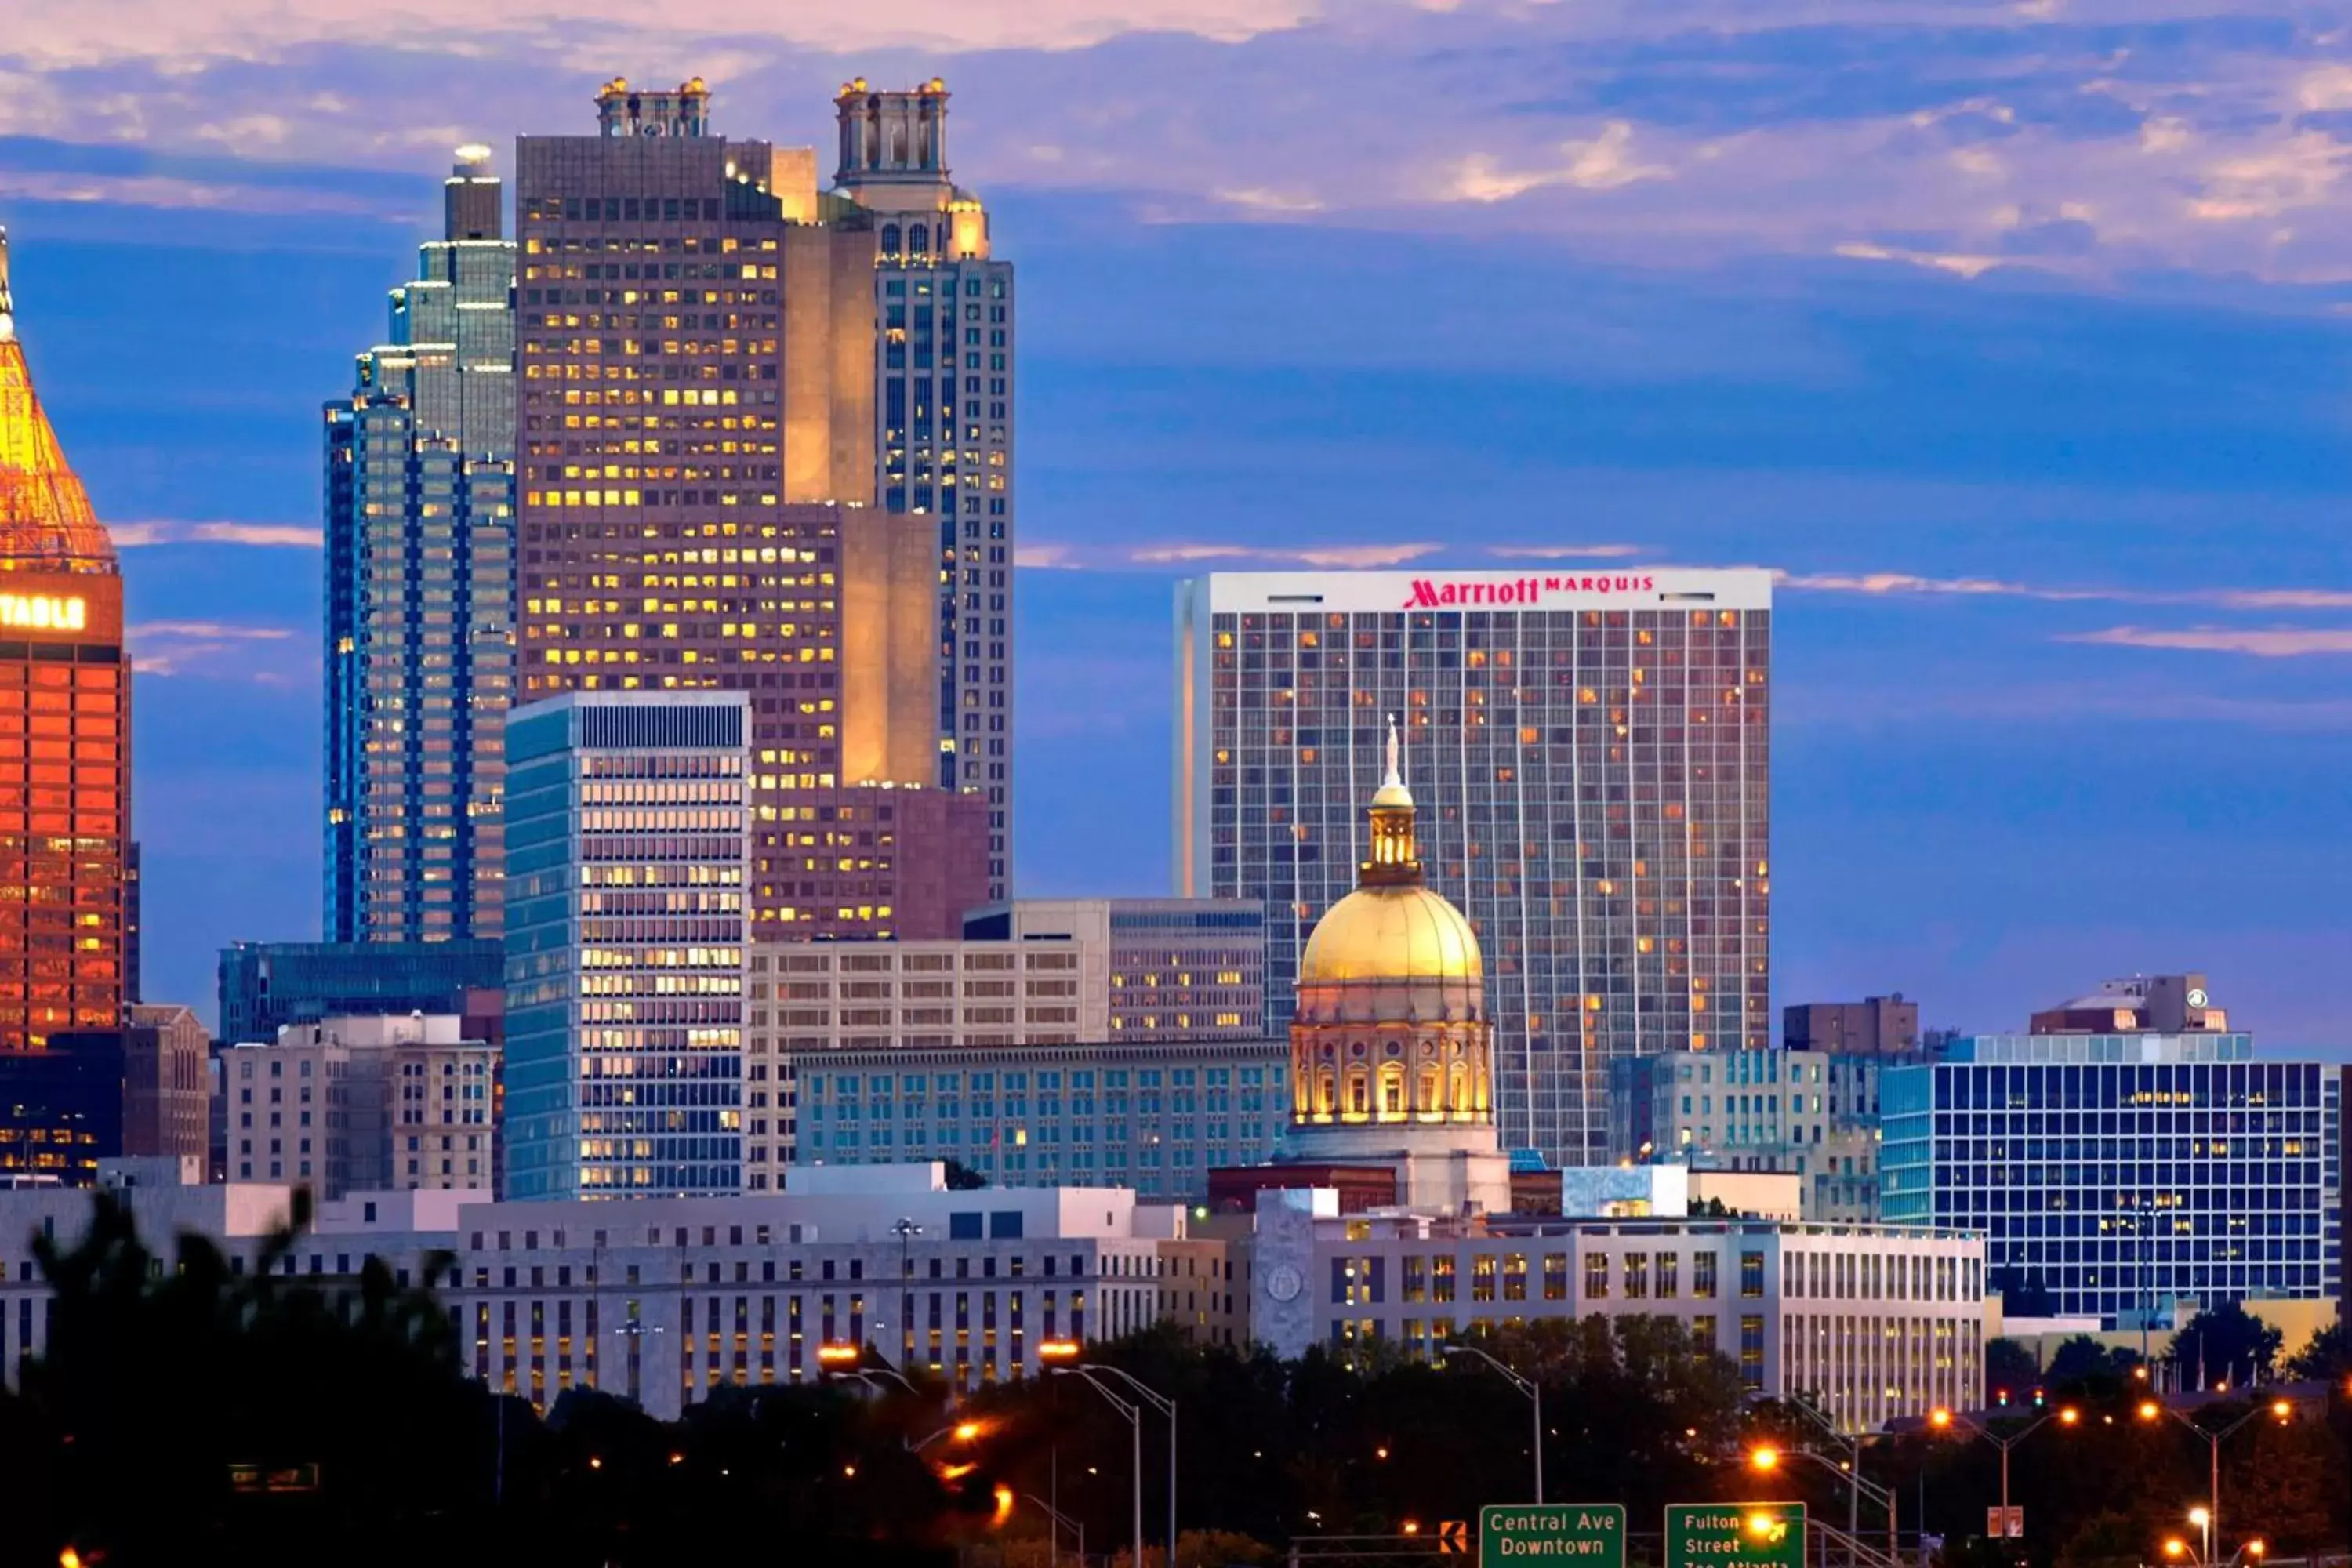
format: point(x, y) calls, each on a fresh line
point(1527, 1385)
point(906, 1230)
point(1767, 1459)
point(1853, 1468)
point(1062, 1522)
point(1942, 1420)
point(1134, 1414)
point(1166, 1406)
point(2151, 1409)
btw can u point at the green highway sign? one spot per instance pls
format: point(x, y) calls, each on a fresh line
point(1589, 1534)
point(1736, 1535)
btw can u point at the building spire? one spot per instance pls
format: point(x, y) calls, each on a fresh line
point(1394, 778)
point(7, 305)
point(46, 522)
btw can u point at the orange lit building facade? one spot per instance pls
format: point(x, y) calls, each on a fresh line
point(65, 731)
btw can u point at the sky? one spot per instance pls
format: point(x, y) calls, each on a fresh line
point(2014, 336)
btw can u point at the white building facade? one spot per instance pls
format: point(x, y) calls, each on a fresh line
point(668, 1299)
point(1871, 1322)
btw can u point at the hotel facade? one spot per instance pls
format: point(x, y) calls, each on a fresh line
point(1590, 752)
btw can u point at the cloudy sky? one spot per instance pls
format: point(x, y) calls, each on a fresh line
point(2014, 336)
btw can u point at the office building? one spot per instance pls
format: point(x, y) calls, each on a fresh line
point(166, 1089)
point(65, 731)
point(1050, 973)
point(1156, 1118)
point(364, 1104)
point(944, 417)
point(2143, 1004)
point(2117, 1177)
point(1874, 1027)
point(266, 985)
point(1591, 755)
point(697, 351)
point(61, 1108)
point(1871, 1324)
point(420, 590)
point(1813, 1115)
point(668, 1300)
point(629, 834)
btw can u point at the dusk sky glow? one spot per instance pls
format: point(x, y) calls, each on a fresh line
point(2015, 336)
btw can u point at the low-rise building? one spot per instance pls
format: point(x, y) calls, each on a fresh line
point(1872, 1323)
point(668, 1300)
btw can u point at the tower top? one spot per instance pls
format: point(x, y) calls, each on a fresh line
point(7, 305)
point(682, 111)
point(895, 136)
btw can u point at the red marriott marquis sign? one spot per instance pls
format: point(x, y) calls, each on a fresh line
point(1442, 593)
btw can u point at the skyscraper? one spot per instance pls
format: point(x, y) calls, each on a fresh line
point(1591, 755)
point(65, 731)
point(625, 951)
point(420, 592)
point(697, 359)
point(944, 445)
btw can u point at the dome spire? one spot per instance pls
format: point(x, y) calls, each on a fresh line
point(1396, 859)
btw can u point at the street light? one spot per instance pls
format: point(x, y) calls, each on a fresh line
point(906, 1230)
point(1132, 1408)
point(1944, 1420)
point(2279, 1410)
point(1883, 1496)
point(2202, 1518)
point(961, 1431)
point(1766, 1459)
point(1062, 1522)
point(1527, 1385)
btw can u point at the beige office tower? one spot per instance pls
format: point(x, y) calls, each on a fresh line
point(943, 417)
point(695, 358)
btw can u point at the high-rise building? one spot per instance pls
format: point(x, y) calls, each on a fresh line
point(1590, 753)
point(62, 1109)
point(1874, 1027)
point(420, 590)
point(629, 833)
point(2119, 1175)
point(696, 355)
point(65, 731)
point(266, 985)
point(944, 417)
point(166, 1089)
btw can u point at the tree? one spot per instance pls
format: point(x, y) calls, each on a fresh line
point(2010, 1367)
point(2326, 1356)
point(962, 1178)
point(2225, 1343)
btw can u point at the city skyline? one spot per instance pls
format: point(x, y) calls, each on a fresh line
point(1975, 710)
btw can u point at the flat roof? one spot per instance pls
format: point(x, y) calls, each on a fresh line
point(1546, 585)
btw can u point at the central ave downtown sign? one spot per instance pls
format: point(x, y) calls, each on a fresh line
point(1593, 1535)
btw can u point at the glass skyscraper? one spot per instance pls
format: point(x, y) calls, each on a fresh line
point(944, 417)
point(420, 592)
point(628, 856)
point(2117, 1175)
point(1590, 753)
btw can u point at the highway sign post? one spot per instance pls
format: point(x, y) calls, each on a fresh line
point(1736, 1535)
point(2006, 1523)
point(1589, 1535)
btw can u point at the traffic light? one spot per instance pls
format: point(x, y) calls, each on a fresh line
point(2038, 1398)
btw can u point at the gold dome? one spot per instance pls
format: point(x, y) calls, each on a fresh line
point(1396, 932)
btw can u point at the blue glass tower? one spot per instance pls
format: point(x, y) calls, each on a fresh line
point(628, 852)
point(420, 593)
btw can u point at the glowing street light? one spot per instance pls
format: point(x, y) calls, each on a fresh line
point(2279, 1410)
point(1765, 1459)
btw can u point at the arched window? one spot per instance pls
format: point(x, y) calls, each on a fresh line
point(918, 240)
point(890, 237)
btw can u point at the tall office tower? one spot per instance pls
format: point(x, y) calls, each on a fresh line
point(420, 592)
point(697, 396)
point(629, 831)
point(65, 731)
point(944, 417)
point(1590, 752)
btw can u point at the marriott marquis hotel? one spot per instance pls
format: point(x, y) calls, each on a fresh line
point(1591, 751)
